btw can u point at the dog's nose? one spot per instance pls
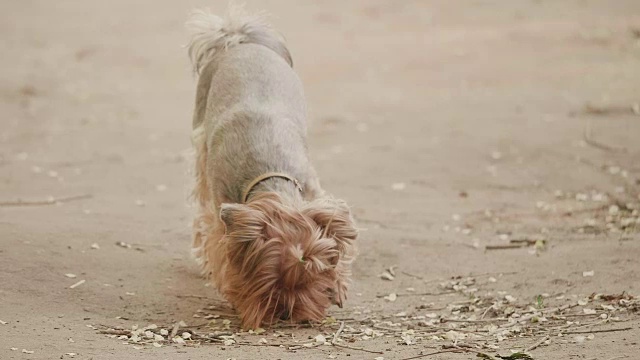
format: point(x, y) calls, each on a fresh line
point(285, 315)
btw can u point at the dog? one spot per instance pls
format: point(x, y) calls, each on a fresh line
point(273, 242)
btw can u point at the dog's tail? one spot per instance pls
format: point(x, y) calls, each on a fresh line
point(212, 34)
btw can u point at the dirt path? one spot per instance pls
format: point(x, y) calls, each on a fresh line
point(447, 127)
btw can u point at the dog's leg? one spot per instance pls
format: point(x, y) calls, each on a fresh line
point(200, 195)
point(343, 272)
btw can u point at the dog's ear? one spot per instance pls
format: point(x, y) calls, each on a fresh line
point(242, 223)
point(228, 212)
point(335, 221)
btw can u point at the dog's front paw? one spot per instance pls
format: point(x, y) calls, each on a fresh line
point(339, 294)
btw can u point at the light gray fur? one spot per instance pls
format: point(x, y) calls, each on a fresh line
point(250, 110)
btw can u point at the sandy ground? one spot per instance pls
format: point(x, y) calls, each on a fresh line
point(448, 127)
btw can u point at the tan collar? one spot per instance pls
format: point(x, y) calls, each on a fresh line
point(263, 177)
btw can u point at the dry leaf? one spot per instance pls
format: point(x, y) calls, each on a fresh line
point(387, 276)
point(391, 297)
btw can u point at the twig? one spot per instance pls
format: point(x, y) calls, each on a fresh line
point(358, 348)
point(288, 346)
point(523, 242)
point(412, 275)
point(474, 321)
point(77, 284)
point(590, 141)
point(586, 210)
point(115, 332)
point(198, 325)
point(334, 342)
point(505, 247)
point(420, 294)
point(487, 356)
point(192, 296)
point(618, 357)
point(433, 353)
point(597, 331)
point(50, 201)
point(534, 346)
point(174, 331)
point(337, 334)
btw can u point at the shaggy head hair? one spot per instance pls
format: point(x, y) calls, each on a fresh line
point(286, 263)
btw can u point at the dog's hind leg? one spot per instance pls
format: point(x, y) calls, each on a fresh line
point(201, 196)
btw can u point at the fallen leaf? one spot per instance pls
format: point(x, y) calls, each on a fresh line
point(387, 276)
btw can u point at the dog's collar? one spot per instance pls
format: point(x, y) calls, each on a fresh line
point(266, 176)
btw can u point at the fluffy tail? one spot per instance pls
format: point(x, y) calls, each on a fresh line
point(212, 34)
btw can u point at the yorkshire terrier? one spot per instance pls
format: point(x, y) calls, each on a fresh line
point(273, 242)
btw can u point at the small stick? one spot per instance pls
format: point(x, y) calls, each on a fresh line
point(474, 321)
point(337, 334)
point(192, 296)
point(412, 275)
point(420, 294)
point(51, 201)
point(618, 357)
point(493, 273)
point(587, 139)
point(505, 247)
point(433, 353)
point(597, 331)
point(523, 241)
point(487, 356)
point(358, 348)
point(174, 331)
point(534, 346)
point(115, 332)
point(77, 284)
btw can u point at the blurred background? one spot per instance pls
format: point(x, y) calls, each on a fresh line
point(446, 125)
